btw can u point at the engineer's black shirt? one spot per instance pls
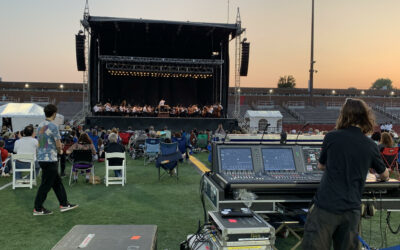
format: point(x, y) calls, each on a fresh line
point(347, 154)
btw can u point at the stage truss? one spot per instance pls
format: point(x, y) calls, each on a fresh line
point(164, 67)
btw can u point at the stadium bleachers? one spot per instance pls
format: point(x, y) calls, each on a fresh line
point(69, 109)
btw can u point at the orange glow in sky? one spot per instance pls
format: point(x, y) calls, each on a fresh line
point(356, 42)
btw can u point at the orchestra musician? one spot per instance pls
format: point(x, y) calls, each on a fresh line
point(98, 109)
point(346, 156)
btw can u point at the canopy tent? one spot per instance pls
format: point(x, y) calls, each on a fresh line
point(258, 120)
point(23, 114)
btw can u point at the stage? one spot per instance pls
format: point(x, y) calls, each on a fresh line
point(173, 123)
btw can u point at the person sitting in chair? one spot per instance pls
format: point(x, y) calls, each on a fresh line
point(84, 143)
point(114, 147)
point(26, 145)
point(386, 141)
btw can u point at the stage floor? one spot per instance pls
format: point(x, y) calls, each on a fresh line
point(172, 123)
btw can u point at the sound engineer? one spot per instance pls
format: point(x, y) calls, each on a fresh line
point(346, 156)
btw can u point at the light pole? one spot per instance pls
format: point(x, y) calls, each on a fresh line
point(333, 93)
point(311, 80)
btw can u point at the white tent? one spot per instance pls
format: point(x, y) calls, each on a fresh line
point(23, 114)
point(258, 119)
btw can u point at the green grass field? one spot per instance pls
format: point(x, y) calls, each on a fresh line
point(173, 206)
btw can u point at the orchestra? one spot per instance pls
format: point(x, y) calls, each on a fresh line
point(125, 109)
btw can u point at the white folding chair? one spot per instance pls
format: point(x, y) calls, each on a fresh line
point(115, 180)
point(30, 158)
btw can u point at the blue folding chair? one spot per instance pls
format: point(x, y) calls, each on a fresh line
point(151, 150)
point(168, 160)
point(9, 145)
point(182, 146)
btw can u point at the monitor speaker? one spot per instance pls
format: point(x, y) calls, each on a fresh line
point(80, 51)
point(244, 65)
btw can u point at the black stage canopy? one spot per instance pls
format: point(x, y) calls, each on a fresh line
point(142, 61)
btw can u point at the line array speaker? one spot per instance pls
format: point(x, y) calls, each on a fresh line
point(80, 51)
point(244, 65)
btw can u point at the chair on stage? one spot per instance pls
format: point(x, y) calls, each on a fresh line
point(29, 160)
point(151, 150)
point(168, 160)
point(390, 157)
point(82, 160)
point(111, 166)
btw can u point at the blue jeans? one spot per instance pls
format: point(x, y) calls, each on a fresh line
point(118, 173)
point(25, 165)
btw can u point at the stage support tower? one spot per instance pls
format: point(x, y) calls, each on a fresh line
point(238, 53)
point(79, 118)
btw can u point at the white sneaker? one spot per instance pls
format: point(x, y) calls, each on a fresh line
point(5, 174)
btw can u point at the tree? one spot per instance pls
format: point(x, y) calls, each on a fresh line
point(382, 83)
point(287, 82)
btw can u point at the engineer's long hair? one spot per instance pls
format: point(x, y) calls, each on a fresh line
point(355, 112)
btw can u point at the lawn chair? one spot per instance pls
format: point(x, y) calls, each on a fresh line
point(390, 157)
point(24, 158)
point(115, 180)
point(168, 160)
point(9, 145)
point(82, 160)
point(202, 141)
point(181, 144)
point(151, 149)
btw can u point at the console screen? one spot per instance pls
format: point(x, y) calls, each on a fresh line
point(236, 159)
point(278, 159)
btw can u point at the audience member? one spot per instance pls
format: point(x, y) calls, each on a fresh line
point(4, 154)
point(220, 130)
point(386, 141)
point(26, 145)
point(114, 147)
point(84, 143)
point(376, 137)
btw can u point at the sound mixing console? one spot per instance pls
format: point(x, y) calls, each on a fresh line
point(261, 165)
point(282, 172)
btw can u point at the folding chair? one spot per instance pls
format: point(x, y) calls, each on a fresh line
point(151, 149)
point(82, 160)
point(202, 141)
point(9, 145)
point(182, 146)
point(115, 180)
point(390, 157)
point(26, 158)
point(168, 159)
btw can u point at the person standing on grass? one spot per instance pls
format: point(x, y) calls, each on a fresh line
point(346, 156)
point(49, 145)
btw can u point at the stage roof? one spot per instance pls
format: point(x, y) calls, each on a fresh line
point(97, 21)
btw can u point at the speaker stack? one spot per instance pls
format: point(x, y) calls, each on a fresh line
point(244, 65)
point(80, 51)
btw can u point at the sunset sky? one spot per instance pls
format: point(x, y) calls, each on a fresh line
point(356, 41)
